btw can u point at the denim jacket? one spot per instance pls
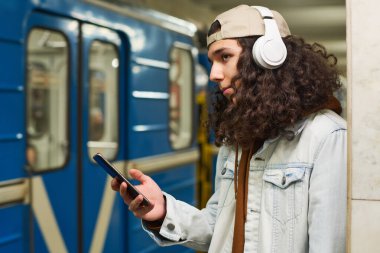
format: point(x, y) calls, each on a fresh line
point(296, 196)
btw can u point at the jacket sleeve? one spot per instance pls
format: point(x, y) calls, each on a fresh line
point(187, 225)
point(328, 196)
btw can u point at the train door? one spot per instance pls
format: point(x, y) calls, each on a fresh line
point(72, 113)
point(102, 129)
point(51, 112)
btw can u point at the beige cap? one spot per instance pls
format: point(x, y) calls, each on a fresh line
point(243, 21)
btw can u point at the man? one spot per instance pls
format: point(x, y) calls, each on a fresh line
point(280, 182)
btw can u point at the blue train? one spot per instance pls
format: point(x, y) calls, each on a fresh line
point(81, 77)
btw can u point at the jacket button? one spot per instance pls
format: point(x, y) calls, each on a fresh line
point(224, 170)
point(283, 180)
point(170, 226)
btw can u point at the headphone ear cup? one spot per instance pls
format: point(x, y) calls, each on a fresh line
point(269, 53)
point(256, 52)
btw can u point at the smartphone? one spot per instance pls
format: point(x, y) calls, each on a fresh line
point(113, 172)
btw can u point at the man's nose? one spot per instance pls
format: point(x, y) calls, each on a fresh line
point(216, 73)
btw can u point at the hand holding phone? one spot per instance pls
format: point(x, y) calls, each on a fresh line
point(113, 172)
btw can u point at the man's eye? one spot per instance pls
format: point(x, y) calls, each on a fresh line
point(225, 57)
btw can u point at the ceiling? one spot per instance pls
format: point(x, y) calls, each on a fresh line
point(322, 21)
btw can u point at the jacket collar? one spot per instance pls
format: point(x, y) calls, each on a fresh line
point(297, 129)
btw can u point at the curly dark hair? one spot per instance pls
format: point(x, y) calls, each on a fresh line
point(268, 102)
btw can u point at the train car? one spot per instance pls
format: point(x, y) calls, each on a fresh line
point(79, 77)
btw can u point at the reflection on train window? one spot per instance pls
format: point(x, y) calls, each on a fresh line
point(103, 99)
point(181, 95)
point(47, 101)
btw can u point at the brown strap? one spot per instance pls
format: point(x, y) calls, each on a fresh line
point(241, 194)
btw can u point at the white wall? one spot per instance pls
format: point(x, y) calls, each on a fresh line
point(363, 38)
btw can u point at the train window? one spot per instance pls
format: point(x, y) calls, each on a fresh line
point(181, 97)
point(47, 100)
point(103, 99)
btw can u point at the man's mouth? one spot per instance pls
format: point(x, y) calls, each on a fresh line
point(228, 91)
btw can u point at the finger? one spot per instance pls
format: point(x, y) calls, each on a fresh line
point(124, 194)
point(115, 184)
point(138, 209)
point(138, 175)
point(134, 205)
point(141, 212)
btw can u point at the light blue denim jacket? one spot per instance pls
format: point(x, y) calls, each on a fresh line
point(296, 202)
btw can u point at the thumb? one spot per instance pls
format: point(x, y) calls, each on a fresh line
point(138, 175)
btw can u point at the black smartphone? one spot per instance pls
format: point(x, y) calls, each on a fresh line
point(113, 172)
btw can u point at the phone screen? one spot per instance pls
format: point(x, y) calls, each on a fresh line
point(113, 172)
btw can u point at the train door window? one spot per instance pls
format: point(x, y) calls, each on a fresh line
point(47, 99)
point(103, 99)
point(181, 97)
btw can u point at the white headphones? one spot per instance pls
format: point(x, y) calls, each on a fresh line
point(269, 51)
